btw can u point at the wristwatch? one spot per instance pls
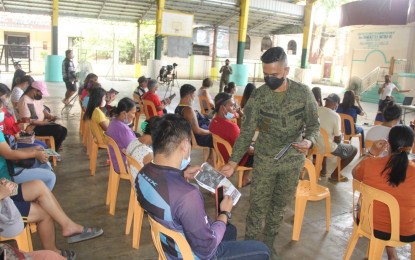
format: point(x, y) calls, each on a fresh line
point(226, 213)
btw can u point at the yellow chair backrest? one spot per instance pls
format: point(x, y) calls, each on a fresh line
point(238, 99)
point(368, 196)
point(327, 146)
point(311, 170)
point(149, 105)
point(132, 162)
point(217, 141)
point(205, 108)
point(111, 144)
point(138, 100)
point(179, 239)
point(97, 133)
point(343, 118)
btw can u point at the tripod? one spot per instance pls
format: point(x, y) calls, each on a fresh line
point(68, 107)
point(170, 82)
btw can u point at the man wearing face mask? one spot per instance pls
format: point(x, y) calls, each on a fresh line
point(31, 110)
point(223, 127)
point(226, 71)
point(280, 109)
point(330, 121)
point(166, 196)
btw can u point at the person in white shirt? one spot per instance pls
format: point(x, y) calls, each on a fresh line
point(386, 89)
point(392, 116)
point(330, 121)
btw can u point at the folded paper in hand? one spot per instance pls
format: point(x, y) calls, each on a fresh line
point(209, 179)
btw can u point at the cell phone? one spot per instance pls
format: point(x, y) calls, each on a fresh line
point(219, 198)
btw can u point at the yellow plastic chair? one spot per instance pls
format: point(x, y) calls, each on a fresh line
point(378, 123)
point(96, 143)
point(135, 211)
point(238, 99)
point(195, 146)
point(325, 153)
point(368, 195)
point(309, 190)
point(368, 144)
point(138, 100)
point(217, 141)
point(114, 177)
point(24, 239)
point(50, 142)
point(205, 108)
point(179, 239)
point(348, 137)
point(149, 105)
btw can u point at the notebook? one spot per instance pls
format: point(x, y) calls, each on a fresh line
point(407, 101)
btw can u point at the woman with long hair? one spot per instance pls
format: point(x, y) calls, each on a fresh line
point(119, 129)
point(348, 107)
point(93, 110)
point(394, 174)
point(249, 88)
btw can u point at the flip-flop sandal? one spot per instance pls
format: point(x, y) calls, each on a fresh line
point(69, 254)
point(342, 179)
point(87, 233)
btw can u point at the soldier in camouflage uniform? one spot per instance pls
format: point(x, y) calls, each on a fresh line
point(280, 109)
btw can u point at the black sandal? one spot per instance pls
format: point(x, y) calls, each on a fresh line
point(69, 254)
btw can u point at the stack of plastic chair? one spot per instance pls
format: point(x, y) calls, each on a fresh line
point(94, 144)
point(365, 227)
point(218, 141)
point(179, 239)
point(309, 190)
point(135, 211)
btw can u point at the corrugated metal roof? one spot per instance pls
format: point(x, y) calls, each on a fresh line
point(265, 17)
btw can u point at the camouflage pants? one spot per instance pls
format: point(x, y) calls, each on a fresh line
point(273, 186)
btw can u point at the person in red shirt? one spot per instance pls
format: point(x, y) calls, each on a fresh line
point(223, 127)
point(151, 95)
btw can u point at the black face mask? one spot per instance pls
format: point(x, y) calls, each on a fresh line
point(274, 82)
point(38, 97)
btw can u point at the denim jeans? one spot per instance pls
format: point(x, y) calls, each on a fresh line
point(229, 248)
point(39, 171)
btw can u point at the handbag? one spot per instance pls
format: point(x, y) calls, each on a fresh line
point(24, 163)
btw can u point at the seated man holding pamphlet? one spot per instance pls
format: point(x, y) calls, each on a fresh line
point(164, 193)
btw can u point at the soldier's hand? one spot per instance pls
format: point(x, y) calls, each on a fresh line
point(226, 204)
point(303, 146)
point(228, 168)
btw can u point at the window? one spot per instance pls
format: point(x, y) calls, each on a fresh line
point(292, 47)
point(266, 43)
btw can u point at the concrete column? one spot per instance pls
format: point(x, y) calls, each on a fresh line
point(308, 28)
point(55, 15)
point(137, 52)
point(159, 39)
point(213, 67)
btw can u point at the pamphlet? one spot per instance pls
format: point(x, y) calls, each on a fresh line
point(209, 179)
point(51, 152)
point(283, 151)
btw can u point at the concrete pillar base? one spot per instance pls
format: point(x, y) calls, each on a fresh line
point(240, 74)
point(137, 72)
point(304, 76)
point(53, 68)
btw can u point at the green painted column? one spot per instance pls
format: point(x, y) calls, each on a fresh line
point(159, 37)
point(308, 24)
point(55, 15)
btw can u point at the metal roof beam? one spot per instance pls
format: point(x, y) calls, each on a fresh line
point(2, 6)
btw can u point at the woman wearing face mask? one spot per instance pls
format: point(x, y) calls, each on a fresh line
point(223, 127)
point(8, 124)
point(119, 129)
point(31, 110)
point(93, 110)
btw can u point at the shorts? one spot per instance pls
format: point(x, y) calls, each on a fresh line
point(70, 86)
point(204, 140)
point(344, 151)
point(22, 205)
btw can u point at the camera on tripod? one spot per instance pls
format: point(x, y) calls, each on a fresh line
point(167, 73)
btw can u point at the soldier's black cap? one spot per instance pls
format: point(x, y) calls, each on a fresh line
point(221, 99)
point(333, 97)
